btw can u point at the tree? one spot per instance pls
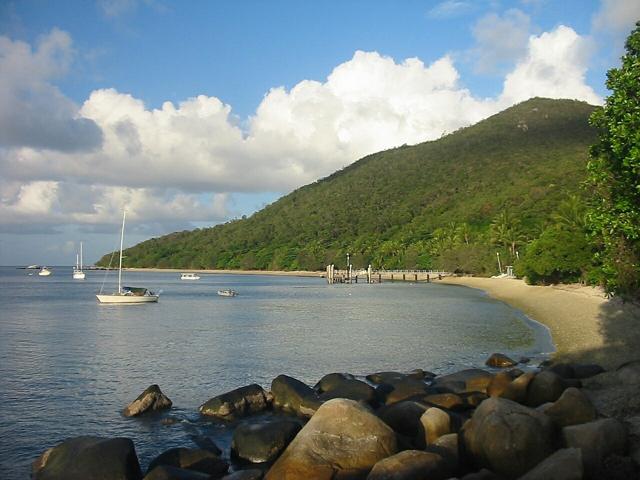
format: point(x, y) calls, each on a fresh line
point(614, 175)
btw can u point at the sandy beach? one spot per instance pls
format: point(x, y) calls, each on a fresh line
point(585, 325)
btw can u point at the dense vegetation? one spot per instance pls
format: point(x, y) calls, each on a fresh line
point(453, 203)
point(614, 174)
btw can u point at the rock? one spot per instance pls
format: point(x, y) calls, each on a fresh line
point(470, 380)
point(587, 371)
point(263, 442)
point(615, 393)
point(447, 445)
point(499, 383)
point(81, 458)
point(545, 387)
point(250, 474)
point(473, 399)
point(564, 464)
point(616, 467)
point(410, 465)
point(572, 408)
point(483, 474)
point(500, 360)
point(404, 389)
point(393, 377)
point(435, 422)
point(236, 403)
point(292, 395)
point(191, 459)
point(517, 389)
point(563, 370)
point(597, 440)
point(353, 390)
point(404, 418)
point(205, 443)
point(332, 381)
point(342, 438)
point(451, 401)
point(167, 472)
point(150, 400)
point(507, 437)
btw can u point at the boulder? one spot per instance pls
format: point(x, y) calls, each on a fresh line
point(447, 445)
point(582, 371)
point(249, 474)
point(506, 437)
point(404, 389)
point(517, 389)
point(597, 440)
point(263, 442)
point(410, 465)
point(451, 401)
point(194, 459)
point(150, 400)
point(563, 370)
point(483, 474)
point(545, 387)
point(435, 422)
point(404, 418)
point(615, 393)
point(353, 390)
point(500, 360)
point(564, 464)
point(167, 472)
point(236, 403)
point(81, 458)
point(470, 380)
point(290, 394)
point(332, 381)
point(392, 377)
point(342, 438)
point(572, 408)
point(205, 443)
point(499, 383)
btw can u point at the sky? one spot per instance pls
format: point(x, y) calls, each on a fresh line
point(190, 114)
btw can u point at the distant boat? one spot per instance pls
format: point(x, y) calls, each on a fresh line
point(32, 267)
point(126, 295)
point(44, 272)
point(189, 276)
point(78, 274)
point(227, 292)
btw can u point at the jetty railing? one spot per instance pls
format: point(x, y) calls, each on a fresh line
point(369, 275)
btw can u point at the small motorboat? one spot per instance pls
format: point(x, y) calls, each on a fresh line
point(227, 292)
point(189, 276)
point(44, 272)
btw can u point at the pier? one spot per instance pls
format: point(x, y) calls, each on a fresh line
point(369, 275)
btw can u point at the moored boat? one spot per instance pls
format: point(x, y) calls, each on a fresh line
point(78, 274)
point(227, 292)
point(44, 272)
point(189, 276)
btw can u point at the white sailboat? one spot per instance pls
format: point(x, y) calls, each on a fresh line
point(126, 295)
point(44, 272)
point(78, 274)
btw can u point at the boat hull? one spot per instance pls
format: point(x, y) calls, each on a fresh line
point(127, 299)
point(79, 275)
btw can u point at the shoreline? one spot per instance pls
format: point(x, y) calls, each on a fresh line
point(585, 326)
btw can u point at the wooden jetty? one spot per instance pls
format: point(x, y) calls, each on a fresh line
point(369, 275)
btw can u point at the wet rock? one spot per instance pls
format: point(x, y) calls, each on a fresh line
point(545, 387)
point(236, 403)
point(597, 440)
point(249, 474)
point(342, 438)
point(470, 380)
point(393, 377)
point(451, 401)
point(353, 390)
point(332, 381)
point(205, 443)
point(410, 465)
point(404, 418)
point(263, 442)
point(564, 464)
point(167, 472)
point(500, 360)
point(290, 394)
point(150, 400)
point(81, 458)
point(435, 422)
point(404, 389)
point(191, 459)
point(572, 408)
point(506, 437)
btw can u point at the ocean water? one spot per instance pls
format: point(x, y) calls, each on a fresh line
point(68, 365)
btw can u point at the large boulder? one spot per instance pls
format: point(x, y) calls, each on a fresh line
point(292, 395)
point(342, 438)
point(500, 360)
point(452, 401)
point(572, 408)
point(470, 380)
point(81, 458)
point(506, 437)
point(263, 442)
point(167, 472)
point(435, 422)
point(411, 465)
point(403, 389)
point(545, 387)
point(597, 440)
point(332, 381)
point(404, 419)
point(565, 464)
point(150, 400)
point(615, 393)
point(353, 390)
point(236, 403)
point(392, 377)
point(194, 459)
point(518, 388)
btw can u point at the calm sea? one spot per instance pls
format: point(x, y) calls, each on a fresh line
point(68, 365)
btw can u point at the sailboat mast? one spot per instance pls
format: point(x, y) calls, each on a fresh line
point(124, 214)
point(80, 255)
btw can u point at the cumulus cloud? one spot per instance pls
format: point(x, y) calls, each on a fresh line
point(183, 162)
point(33, 112)
point(500, 40)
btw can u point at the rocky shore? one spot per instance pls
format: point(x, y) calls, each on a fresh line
point(509, 420)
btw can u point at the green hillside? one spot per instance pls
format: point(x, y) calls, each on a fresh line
point(448, 203)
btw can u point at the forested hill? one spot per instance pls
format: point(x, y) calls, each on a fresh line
point(448, 203)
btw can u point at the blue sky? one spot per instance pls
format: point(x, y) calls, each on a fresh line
point(192, 113)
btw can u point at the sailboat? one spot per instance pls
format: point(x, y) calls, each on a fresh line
point(78, 274)
point(126, 294)
point(44, 272)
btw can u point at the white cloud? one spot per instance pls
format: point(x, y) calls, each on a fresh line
point(617, 16)
point(183, 163)
point(451, 8)
point(500, 40)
